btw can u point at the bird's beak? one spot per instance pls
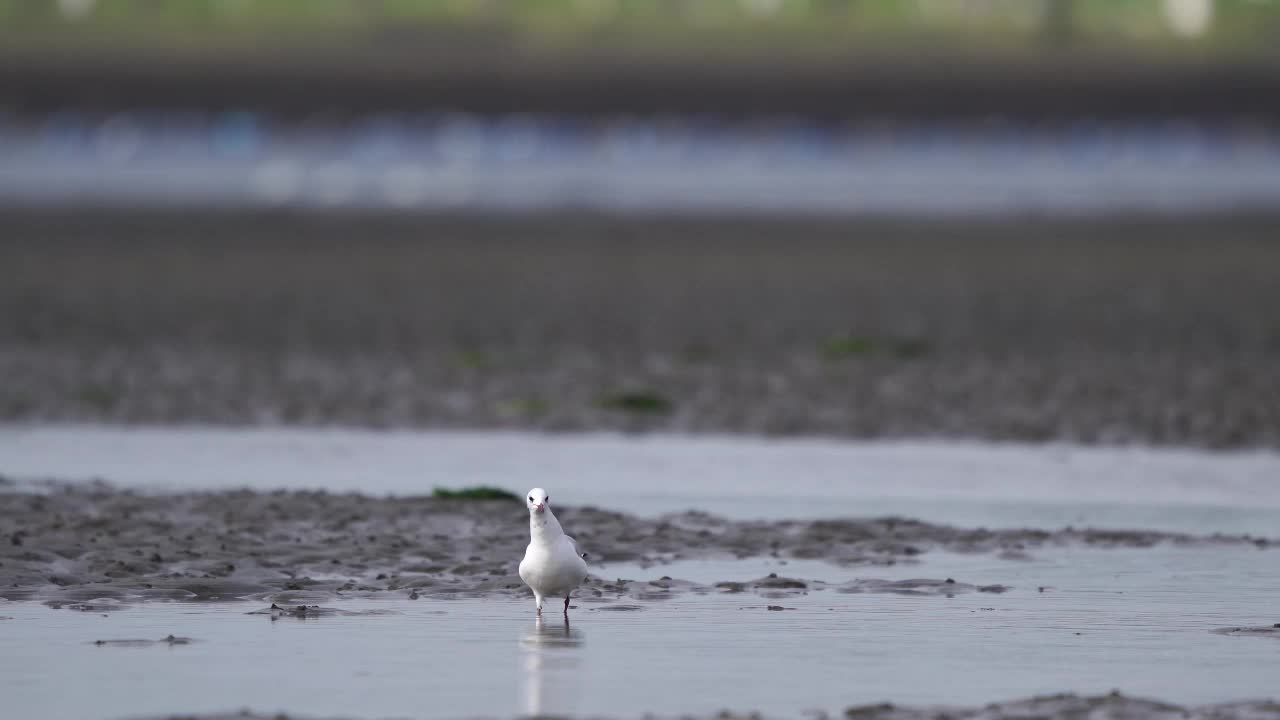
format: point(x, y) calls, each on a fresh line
point(540, 507)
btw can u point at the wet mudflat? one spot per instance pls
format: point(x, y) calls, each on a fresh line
point(1105, 330)
point(69, 543)
point(1039, 570)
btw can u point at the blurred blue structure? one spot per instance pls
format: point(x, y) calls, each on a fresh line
point(439, 161)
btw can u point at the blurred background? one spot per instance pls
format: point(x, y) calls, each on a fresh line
point(1008, 219)
point(249, 245)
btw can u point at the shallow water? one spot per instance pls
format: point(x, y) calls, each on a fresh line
point(1137, 620)
point(968, 484)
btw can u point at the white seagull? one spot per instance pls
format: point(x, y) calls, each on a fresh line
point(552, 564)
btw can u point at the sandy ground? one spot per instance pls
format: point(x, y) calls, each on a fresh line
point(1113, 330)
point(92, 547)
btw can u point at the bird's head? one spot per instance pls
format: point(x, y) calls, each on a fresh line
point(537, 500)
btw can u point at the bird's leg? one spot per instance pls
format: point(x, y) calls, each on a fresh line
point(566, 606)
point(537, 599)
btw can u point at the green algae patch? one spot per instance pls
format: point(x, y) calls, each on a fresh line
point(479, 492)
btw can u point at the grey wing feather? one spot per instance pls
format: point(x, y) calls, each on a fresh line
point(576, 549)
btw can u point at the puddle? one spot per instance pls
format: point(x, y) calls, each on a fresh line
point(1141, 620)
point(718, 570)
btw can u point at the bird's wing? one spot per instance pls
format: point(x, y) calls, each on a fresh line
point(576, 550)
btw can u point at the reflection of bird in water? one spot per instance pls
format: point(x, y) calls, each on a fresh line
point(554, 634)
point(553, 565)
point(549, 667)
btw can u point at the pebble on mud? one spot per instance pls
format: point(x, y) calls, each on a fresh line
point(169, 640)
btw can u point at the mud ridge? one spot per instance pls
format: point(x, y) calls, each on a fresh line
point(96, 548)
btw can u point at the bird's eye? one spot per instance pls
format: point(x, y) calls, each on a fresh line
point(530, 498)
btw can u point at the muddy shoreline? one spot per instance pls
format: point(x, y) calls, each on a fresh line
point(1107, 330)
point(1066, 706)
point(96, 548)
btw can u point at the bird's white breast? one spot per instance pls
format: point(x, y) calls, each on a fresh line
point(552, 569)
